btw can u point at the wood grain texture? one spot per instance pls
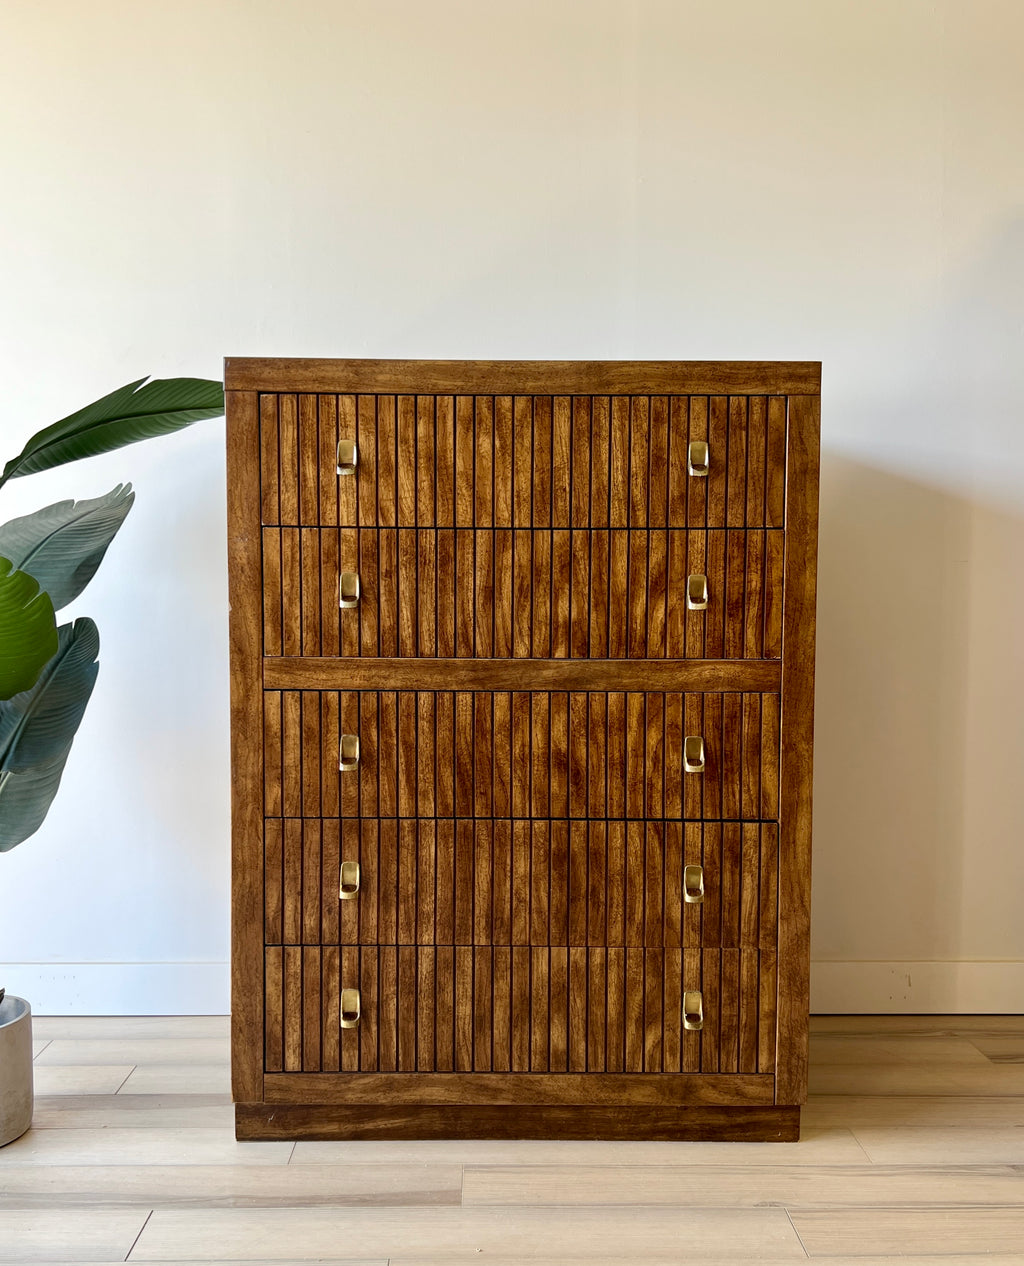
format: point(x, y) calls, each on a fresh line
point(505, 883)
point(640, 1022)
point(521, 671)
point(669, 1090)
point(245, 635)
point(452, 1121)
point(426, 592)
point(278, 374)
point(560, 734)
point(554, 460)
point(326, 673)
point(799, 620)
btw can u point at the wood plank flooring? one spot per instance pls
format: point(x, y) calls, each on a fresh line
point(913, 1150)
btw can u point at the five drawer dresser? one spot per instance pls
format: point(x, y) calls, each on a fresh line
point(522, 661)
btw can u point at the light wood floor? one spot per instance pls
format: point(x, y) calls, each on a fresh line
point(913, 1148)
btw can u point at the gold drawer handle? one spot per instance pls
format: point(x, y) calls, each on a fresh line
point(348, 590)
point(348, 457)
point(350, 1008)
point(693, 1010)
point(693, 754)
point(697, 458)
point(693, 885)
point(348, 757)
point(696, 592)
point(349, 885)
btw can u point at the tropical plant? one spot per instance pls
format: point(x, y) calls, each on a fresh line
point(47, 672)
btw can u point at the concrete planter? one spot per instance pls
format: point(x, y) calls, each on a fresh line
point(15, 1068)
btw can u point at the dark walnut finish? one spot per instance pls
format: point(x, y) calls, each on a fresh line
point(521, 832)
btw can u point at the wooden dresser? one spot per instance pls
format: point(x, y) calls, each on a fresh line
point(522, 663)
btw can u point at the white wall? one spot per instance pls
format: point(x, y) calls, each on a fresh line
point(833, 179)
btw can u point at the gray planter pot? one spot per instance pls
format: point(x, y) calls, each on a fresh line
point(15, 1068)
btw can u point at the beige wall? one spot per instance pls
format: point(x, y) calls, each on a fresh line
point(833, 179)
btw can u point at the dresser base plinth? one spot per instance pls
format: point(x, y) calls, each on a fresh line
point(367, 1121)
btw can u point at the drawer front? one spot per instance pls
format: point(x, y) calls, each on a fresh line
point(521, 754)
point(523, 461)
point(518, 1010)
point(466, 882)
point(505, 593)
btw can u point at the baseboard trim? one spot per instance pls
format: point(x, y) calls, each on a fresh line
point(926, 987)
point(121, 988)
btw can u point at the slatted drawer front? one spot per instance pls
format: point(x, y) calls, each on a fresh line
point(523, 461)
point(504, 593)
point(521, 754)
point(465, 882)
point(518, 1010)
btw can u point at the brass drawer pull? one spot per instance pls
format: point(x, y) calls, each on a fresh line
point(697, 458)
point(696, 592)
point(693, 885)
point(348, 457)
point(348, 589)
point(349, 885)
point(693, 1010)
point(693, 754)
point(350, 1008)
point(348, 756)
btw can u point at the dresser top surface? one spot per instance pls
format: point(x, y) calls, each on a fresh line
point(559, 377)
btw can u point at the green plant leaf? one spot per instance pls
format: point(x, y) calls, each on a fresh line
point(37, 729)
point(25, 800)
point(38, 726)
point(28, 630)
point(130, 414)
point(62, 545)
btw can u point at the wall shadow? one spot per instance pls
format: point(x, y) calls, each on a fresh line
point(890, 715)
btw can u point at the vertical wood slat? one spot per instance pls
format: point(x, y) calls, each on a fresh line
point(522, 461)
point(541, 454)
point(678, 482)
point(365, 422)
point(288, 452)
point(736, 458)
point(561, 462)
point(757, 461)
point(483, 456)
point(408, 592)
point(269, 460)
point(718, 468)
point(503, 460)
point(695, 514)
point(406, 460)
point(309, 460)
point(384, 471)
point(348, 488)
point(444, 445)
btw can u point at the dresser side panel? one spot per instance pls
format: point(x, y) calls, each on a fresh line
point(245, 636)
point(797, 744)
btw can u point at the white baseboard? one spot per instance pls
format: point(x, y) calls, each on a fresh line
point(120, 988)
point(975, 986)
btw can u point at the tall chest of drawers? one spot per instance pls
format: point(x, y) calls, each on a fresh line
point(521, 701)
